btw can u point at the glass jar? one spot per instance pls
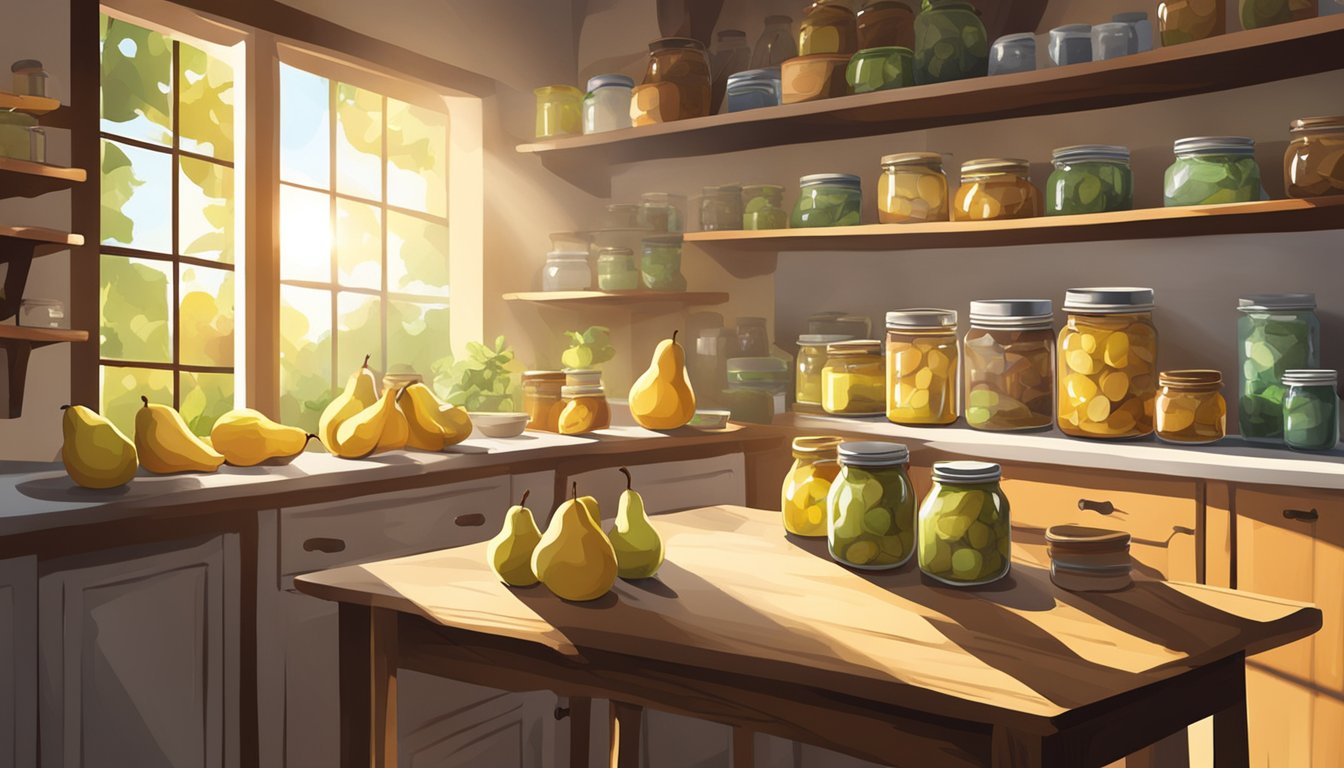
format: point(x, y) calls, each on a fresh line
point(676, 85)
point(950, 43)
point(708, 365)
point(1183, 21)
point(880, 69)
point(1070, 44)
point(566, 271)
point(853, 382)
point(731, 54)
point(1310, 410)
point(769, 375)
point(30, 79)
point(828, 200)
point(620, 216)
point(811, 360)
point(1211, 170)
point(995, 188)
point(662, 212)
point(829, 26)
point(42, 313)
point(15, 135)
point(1013, 53)
point(913, 188)
point(751, 337)
point(1314, 163)
point(1275, 332)
point(1190, 407)
point(776, 43)
point(886, 22)
point(585, 409)
point(721, 208)
point(1263, 13)
point(542, 399)
point(1010, 365)
point(813, 78)
point(802, 499)
point(606, 106)
point(1113, 39)
point(764, 208)
point(616, 270)
point(1143, 28)
point(1090, 178)
point(964, 534)
point(922, 366)
point(853, 326)
point(660, 264)
point(870, 510)
point(753, 89)
point(1107, 363)
point(559, 110)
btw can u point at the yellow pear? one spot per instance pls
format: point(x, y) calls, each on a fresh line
point(639, 548)
point(434, 425)
point(590, 506)
point(661, 397)
point(396, 429)
point(247, 438)
point(96, 454)
point(361, 391)
point(510, 552)
point(166, 444)
point(358, 435)
point(574, 559)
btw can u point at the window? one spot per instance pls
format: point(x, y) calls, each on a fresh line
point(168, 248)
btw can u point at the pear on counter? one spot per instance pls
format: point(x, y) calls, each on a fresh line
point(361, 391)
point(247, 438)
point(638, 547)
point(166, 444)
point(574, 558)
point(590, 506)
point(434, 424)
point(510, 551)
point(359, 435)
point(661, 397)
point(96, 454)
point(396, 430)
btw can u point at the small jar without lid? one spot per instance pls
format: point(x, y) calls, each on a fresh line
point(811, 360)
point(566, 271)
point(996, 188)
point(616, 270)
point(1011, 54)
point(828, 200)
point(1313, 165)
point(1190, 407)
point(1090, 178)
point(870, 520)
point(1010, 365)
point(965, 538)
point(1275, 332)
point(922, 358)
point(1107, 377)
point(852, 380)
point(542, 399)
point(1310, 409)
point(776, 44)
point(1210, 170)
point(912, 188)
point(606, 106)
point(803, 495)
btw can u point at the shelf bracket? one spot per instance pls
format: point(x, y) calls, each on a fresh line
point(13, 374)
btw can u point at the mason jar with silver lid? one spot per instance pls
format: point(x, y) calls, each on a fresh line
point(1010, 365)
point(1107, 363)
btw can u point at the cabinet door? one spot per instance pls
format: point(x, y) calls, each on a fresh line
point(18, 662)
point(446, 724)
point(670, 486)
point(139, 657)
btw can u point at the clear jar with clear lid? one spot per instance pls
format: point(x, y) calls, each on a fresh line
point(1311, 409)
point(1313, 166)
point(606, 106)
point(1210, 170)
point(1190, 407)
point(802, 499)
point(566, 271)
point(1089, 178)
point(852, 380)
point(1010, 365)
point(913, 188)
point(828, 26)
point(721, 208)
point(995, 188)
point(922, 362)
point(616, 270)
point(871, 507)
point(1107, 363)
point(662, 212)
point(1275, 332)
point(811, 361)
point(542, 399)
point(828, 200)
point(965, 538)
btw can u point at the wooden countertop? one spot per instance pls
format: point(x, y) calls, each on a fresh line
point(738, 596)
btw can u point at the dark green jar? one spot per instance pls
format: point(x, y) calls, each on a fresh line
point(1310, 409)
point(1090, 178)
point(950, 43)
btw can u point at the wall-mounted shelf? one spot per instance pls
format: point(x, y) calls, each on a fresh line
point(33, 105)
point(18, 247)
point(619, 299)
point(16, 343)
point(25, 178)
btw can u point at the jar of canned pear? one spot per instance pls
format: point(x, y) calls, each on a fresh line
point(1107, 363)
point(852, 381)
point(913, 188)
point(871, 507)
point(996, 188)
point(922, 366)
point(1010, 365)
point(811, 361)
point(802, 500)
point(1190, 407)
point(964, 535)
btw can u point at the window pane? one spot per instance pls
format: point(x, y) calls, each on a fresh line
point(359, 244)
point(417, 335)
point(136, 316)
point(205, 397)
point(122, 389)
point(417, 158)
point(137, 191)
point(206, 316)
point(417, 258)
point(305, 355)
point(205, 210)
point(305, 140)
point(205, 103)
point(136, 80)
point(359, 333)
point(359, 142)
point(305, 235)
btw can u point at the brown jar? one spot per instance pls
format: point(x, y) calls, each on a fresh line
point(676, 85)
point(541, 399)
point(828, 26)
point(996, 188)
point(1010, 365)
point(1313, 166)
point(1190, 407)
point(886, 22)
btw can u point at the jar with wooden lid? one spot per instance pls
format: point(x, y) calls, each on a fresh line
point(808, 483)
point(996, 188)
point(913, 188)
point(1313, 166)
point(811, 360)
point(1264, 13)
point(965, 538)
point(828, 26)
point(676, 85)
point(886, 22)
point(559, 111)
point(1184, 21)
point(1190, 407)
point(921, 382)
point(1107, 375)
point(1086, 559)
point(1310, 409)
point(585, 409)
point(853, 380)
point(1010, 365)
point(871, 507)
point(542, 399)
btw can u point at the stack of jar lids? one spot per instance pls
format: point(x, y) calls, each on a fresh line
point(1104, 301)
point(1085, 559)
point(1012, 313)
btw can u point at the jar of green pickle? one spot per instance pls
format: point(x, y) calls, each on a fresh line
point(950, 42)
point(1089, 178)
point(964, 536)
point(1310, 410)
point(871, 507)
point(811, 361)
point(1263, 13)
point(1212, 169)
point(828, 200)
point(1275, 332)
point(803, 495)
point(721, 208)
point(853, 381)
point(660, 265)
point(764, 208)
point(616, 270)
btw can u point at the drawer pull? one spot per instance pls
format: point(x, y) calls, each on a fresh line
point(1306, 515)
point(329, 546)
point(472, 520)
point(1100, 507)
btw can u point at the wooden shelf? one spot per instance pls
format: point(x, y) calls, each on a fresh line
point(620, 299)
point(33, 237)
point(1232, 218)
point(33, 105)
point(25, 178)
point(1219, 63)
point(40, 337)
point(18, 247)
point(16, 344)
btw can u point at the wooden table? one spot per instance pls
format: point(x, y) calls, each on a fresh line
point(763, 632)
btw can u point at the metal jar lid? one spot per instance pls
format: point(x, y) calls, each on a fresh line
point(855, 347)
point(602, 81)
point(1214, 145)
point(836, 179)
point(927, 159)
point(765, 75)
point(581, 391)
point(821, 339)
point(986, 166)
point(966, 472)
point(1265, 302)
point(1323, 123)
point(1108, 301)
point(1310, 377)
point(1091, 153)
point(873, 454)
point(1012, 313)
point(924, 317)
point(1196, 379)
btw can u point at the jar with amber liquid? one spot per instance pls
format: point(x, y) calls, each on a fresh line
point(1183, 21)
point(828, 26)
point(584, 410)
point(1107, 375)
point(542, 400)
point(852, 382)
point(922, 366)
point(913, 188)
point(1313, 166)
point(803, 497)
point(676, 85)
point(1190, 407)
point(1010, 365)
point(811, 361)
point(996, 188)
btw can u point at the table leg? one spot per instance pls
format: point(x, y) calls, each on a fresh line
point(626, 722)
point(580, 721)
point(368, 687)
point(744, 748)
point(1231, 745)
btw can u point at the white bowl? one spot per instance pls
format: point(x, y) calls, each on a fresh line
point(499, 424)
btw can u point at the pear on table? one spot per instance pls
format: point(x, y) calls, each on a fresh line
point(361, 391)
point(360, 435)
point(166, 444)
point(396, 429)
point(574, 558)
point(661, 397)
point(510, 551)
point(247, 438)
point(433, 424)
point(638, 547)
point(96, 454)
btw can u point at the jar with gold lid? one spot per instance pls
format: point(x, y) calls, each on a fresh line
point(828, 26)
point(996, 188)
point(1010, 365)
point(1313, 166)
point(913, 188)
point(803, 495)
point(1107, 375)
point(1190, 407)
point(542, 399)
point(852, 381)
point(922, 366)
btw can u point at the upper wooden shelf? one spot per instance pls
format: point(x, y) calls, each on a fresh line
point(40, 236)
point(24, 178)
point(40, 337)
point(619, 299)
point(1146, 223)
point(1220, 63)
point(33, 105)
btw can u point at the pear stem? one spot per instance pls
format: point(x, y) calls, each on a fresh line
point(63, 407)
point(628, 482)
point(366, 361)
point(144, 400)
point(674, 336)
point(307, 438)
point(523, 501)
point(574, 490)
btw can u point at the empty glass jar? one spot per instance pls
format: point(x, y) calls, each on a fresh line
point(828, 200)
point(606, 106)
point(811, 360)
point(950, 42)
point(776, 43)
point(1212, 169)
point(1013, 53)
point(996, 188)
point(1090, 178)
point(1275, 332)
point(965, 538)
point(871, 507)
point(1010, 365)
point(913, 188)
point(1107, 363)
point(559, 109)
point(1310, 410)
point(1190, 407)
point(1070, 44)
point(1313, 166)
point(566, 271)
point(922, 359)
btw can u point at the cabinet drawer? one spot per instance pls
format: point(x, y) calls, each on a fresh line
point(317, 536)
point(670, 486)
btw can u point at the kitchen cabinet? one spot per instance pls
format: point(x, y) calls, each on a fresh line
point(18, 662)
point(669, 486)
point(124, 682)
